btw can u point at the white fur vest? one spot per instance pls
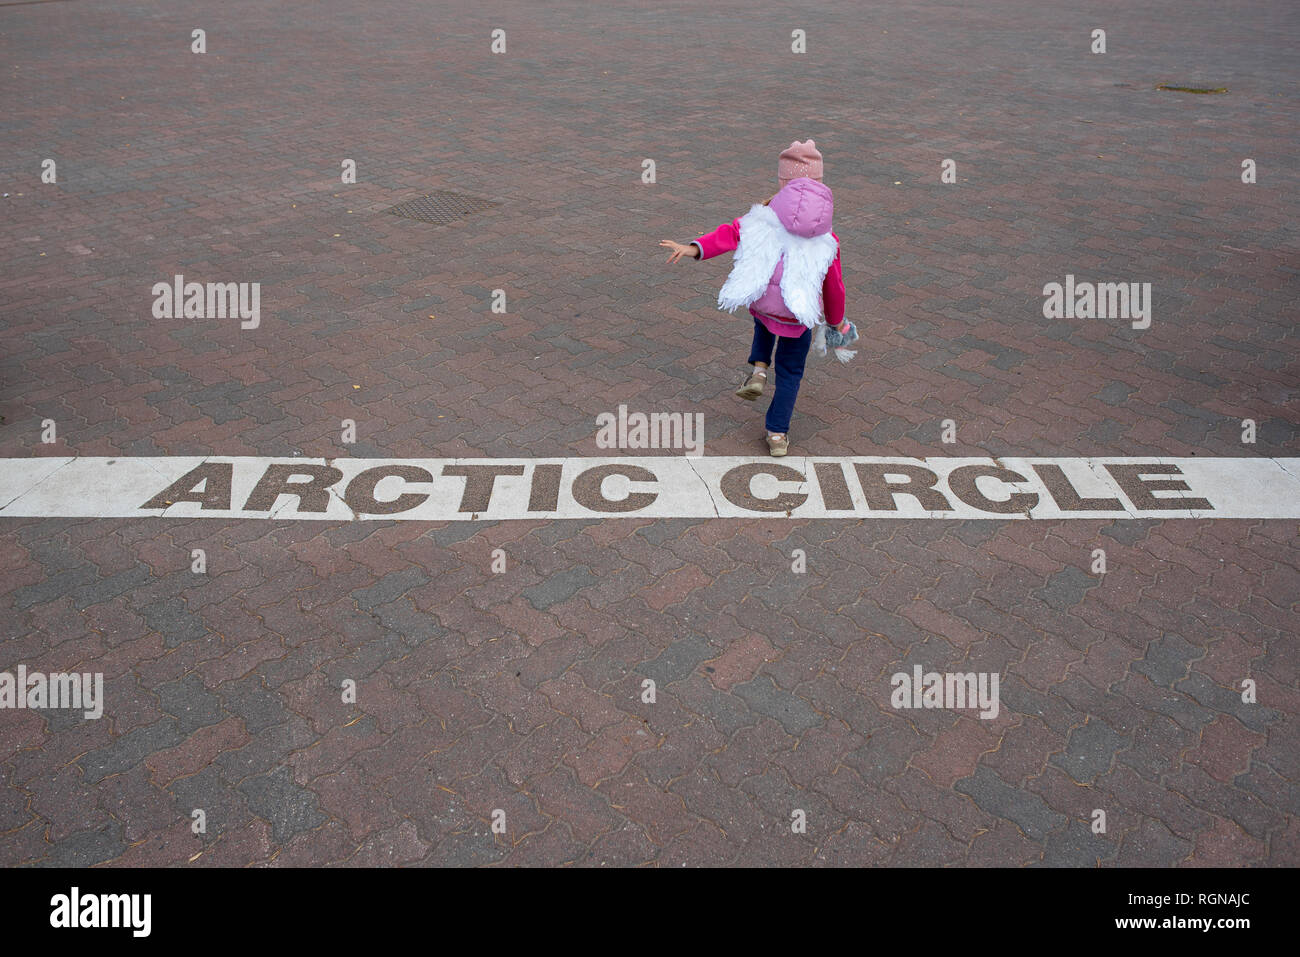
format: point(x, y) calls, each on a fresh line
point(765, 243)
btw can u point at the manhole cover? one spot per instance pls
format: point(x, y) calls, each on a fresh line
point(441, 207)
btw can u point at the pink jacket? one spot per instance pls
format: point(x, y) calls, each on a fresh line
point(770, 308)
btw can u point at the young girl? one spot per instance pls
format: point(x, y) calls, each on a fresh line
point(787, 271)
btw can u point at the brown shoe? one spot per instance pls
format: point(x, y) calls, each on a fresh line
point(778, 444)
point(753, 386)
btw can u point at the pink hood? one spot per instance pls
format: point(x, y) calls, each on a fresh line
point(804, 207)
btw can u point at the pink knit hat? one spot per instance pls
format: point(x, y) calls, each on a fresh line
point(799, 159)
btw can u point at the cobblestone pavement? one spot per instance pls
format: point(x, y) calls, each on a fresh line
point(521, 692)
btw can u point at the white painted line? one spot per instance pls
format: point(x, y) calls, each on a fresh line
point(650, 487)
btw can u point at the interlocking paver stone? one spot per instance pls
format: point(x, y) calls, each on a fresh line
point(1090, 751)
point(1027, 811)
point(290, 809)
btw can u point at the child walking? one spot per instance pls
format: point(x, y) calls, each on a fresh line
point(787, 271)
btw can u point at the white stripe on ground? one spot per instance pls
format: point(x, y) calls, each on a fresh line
point(681, 487)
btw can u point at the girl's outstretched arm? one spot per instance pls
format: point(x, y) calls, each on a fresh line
point(724, 239)
point(691, 249)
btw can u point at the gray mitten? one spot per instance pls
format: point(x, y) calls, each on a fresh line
point(840, 341)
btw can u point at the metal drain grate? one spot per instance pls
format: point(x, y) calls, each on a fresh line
point(441, 207)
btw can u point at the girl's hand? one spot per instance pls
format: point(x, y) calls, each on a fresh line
point(678, 250)
point(843, 327)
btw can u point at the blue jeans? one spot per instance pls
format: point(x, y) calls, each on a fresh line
point(791, 354)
